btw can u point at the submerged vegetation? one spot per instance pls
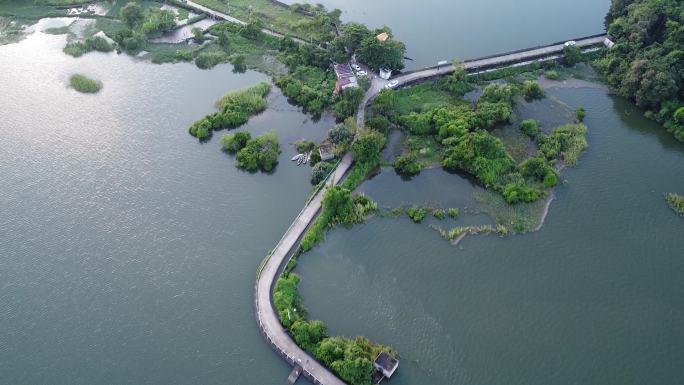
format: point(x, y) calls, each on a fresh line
point(235, 108)
point(82, 83)
point(646, 65)
point(676, 203)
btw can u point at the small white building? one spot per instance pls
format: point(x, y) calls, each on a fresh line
point(608, 43)
point(385, 73)
point(386, 364)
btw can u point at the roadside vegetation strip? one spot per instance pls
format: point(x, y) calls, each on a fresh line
point(82, 83)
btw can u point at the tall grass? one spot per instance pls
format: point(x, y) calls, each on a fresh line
point(81, 83)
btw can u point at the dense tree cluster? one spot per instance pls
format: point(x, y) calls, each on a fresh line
point(260, 153)
point(646, 64)
point(141, 22)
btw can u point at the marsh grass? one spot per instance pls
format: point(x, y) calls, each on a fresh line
point(81, 83)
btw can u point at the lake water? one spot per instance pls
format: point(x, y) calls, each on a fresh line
point(128, 250)
point(436, 30)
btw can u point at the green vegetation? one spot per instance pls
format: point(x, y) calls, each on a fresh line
point(340, 207)
point(260, 153)
point(532, 90)
point(453, 212)
point(676, 202)
point(350, 358)
point(81, 83)
point(379, 54)
point(235, 108)
point(646, 65)
point(407, 164)
point(367, 146)
point(530, 127)
point(320, 171)
point(417, 214)
point(311, 23)
point(565, 143)
point(572, 55)
point(236, 141)
point(580, 114)
point(309, 87)
point(439, 213)
point(93, 43)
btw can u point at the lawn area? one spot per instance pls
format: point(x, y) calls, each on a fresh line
point(277, 18)
point(423, 97)
point(28, 11)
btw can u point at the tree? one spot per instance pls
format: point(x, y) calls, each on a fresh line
point(580, 114)
point(309, 334)
point(457, 83)
point(235, 142)
point(530, 127)
point(381, 54)
point(320, 171)
point(353, 34)
point(131, 14)
point(407, 164)
point(532, 90)
point(198, 36)
point(367, 147)
point(239, 63)
point(572, 55)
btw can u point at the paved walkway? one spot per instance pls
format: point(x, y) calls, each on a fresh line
point(266, 315)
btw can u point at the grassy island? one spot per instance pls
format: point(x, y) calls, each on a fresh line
point(82, 83)
point(235, 108)
point(676, 203)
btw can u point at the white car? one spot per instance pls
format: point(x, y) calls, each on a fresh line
point(356, 67)
point(392, 84)
point(361, 73)
point(570, 43)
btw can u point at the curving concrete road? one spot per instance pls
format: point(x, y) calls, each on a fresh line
point(266, 315)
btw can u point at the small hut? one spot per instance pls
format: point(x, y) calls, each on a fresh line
point(386, 364)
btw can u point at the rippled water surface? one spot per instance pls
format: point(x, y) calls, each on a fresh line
point(128, 249)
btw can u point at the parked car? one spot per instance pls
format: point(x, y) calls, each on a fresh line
point(361, 73)
point(356, 67)
point(392, 84)
point(570, 43)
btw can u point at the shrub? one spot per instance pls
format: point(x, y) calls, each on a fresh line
point(479, 154)
point(367, 147)
point(96, 43)
point(532, 90)
point(676, 202)
point(260, 153)
point(530, 127)
point(81, 83)
point(572, 55)
point(308, 334)
point(417, 214)
point(580, 114)
point(537, 169)
point(453, 212)
point(565, 142)
point(552, 75)
point(518, 192)
point(235, 142)
point(439, 214)
point(339, 134)
point(304, 145)
point(320, 171)
point(207, 60)
point(407, 164)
